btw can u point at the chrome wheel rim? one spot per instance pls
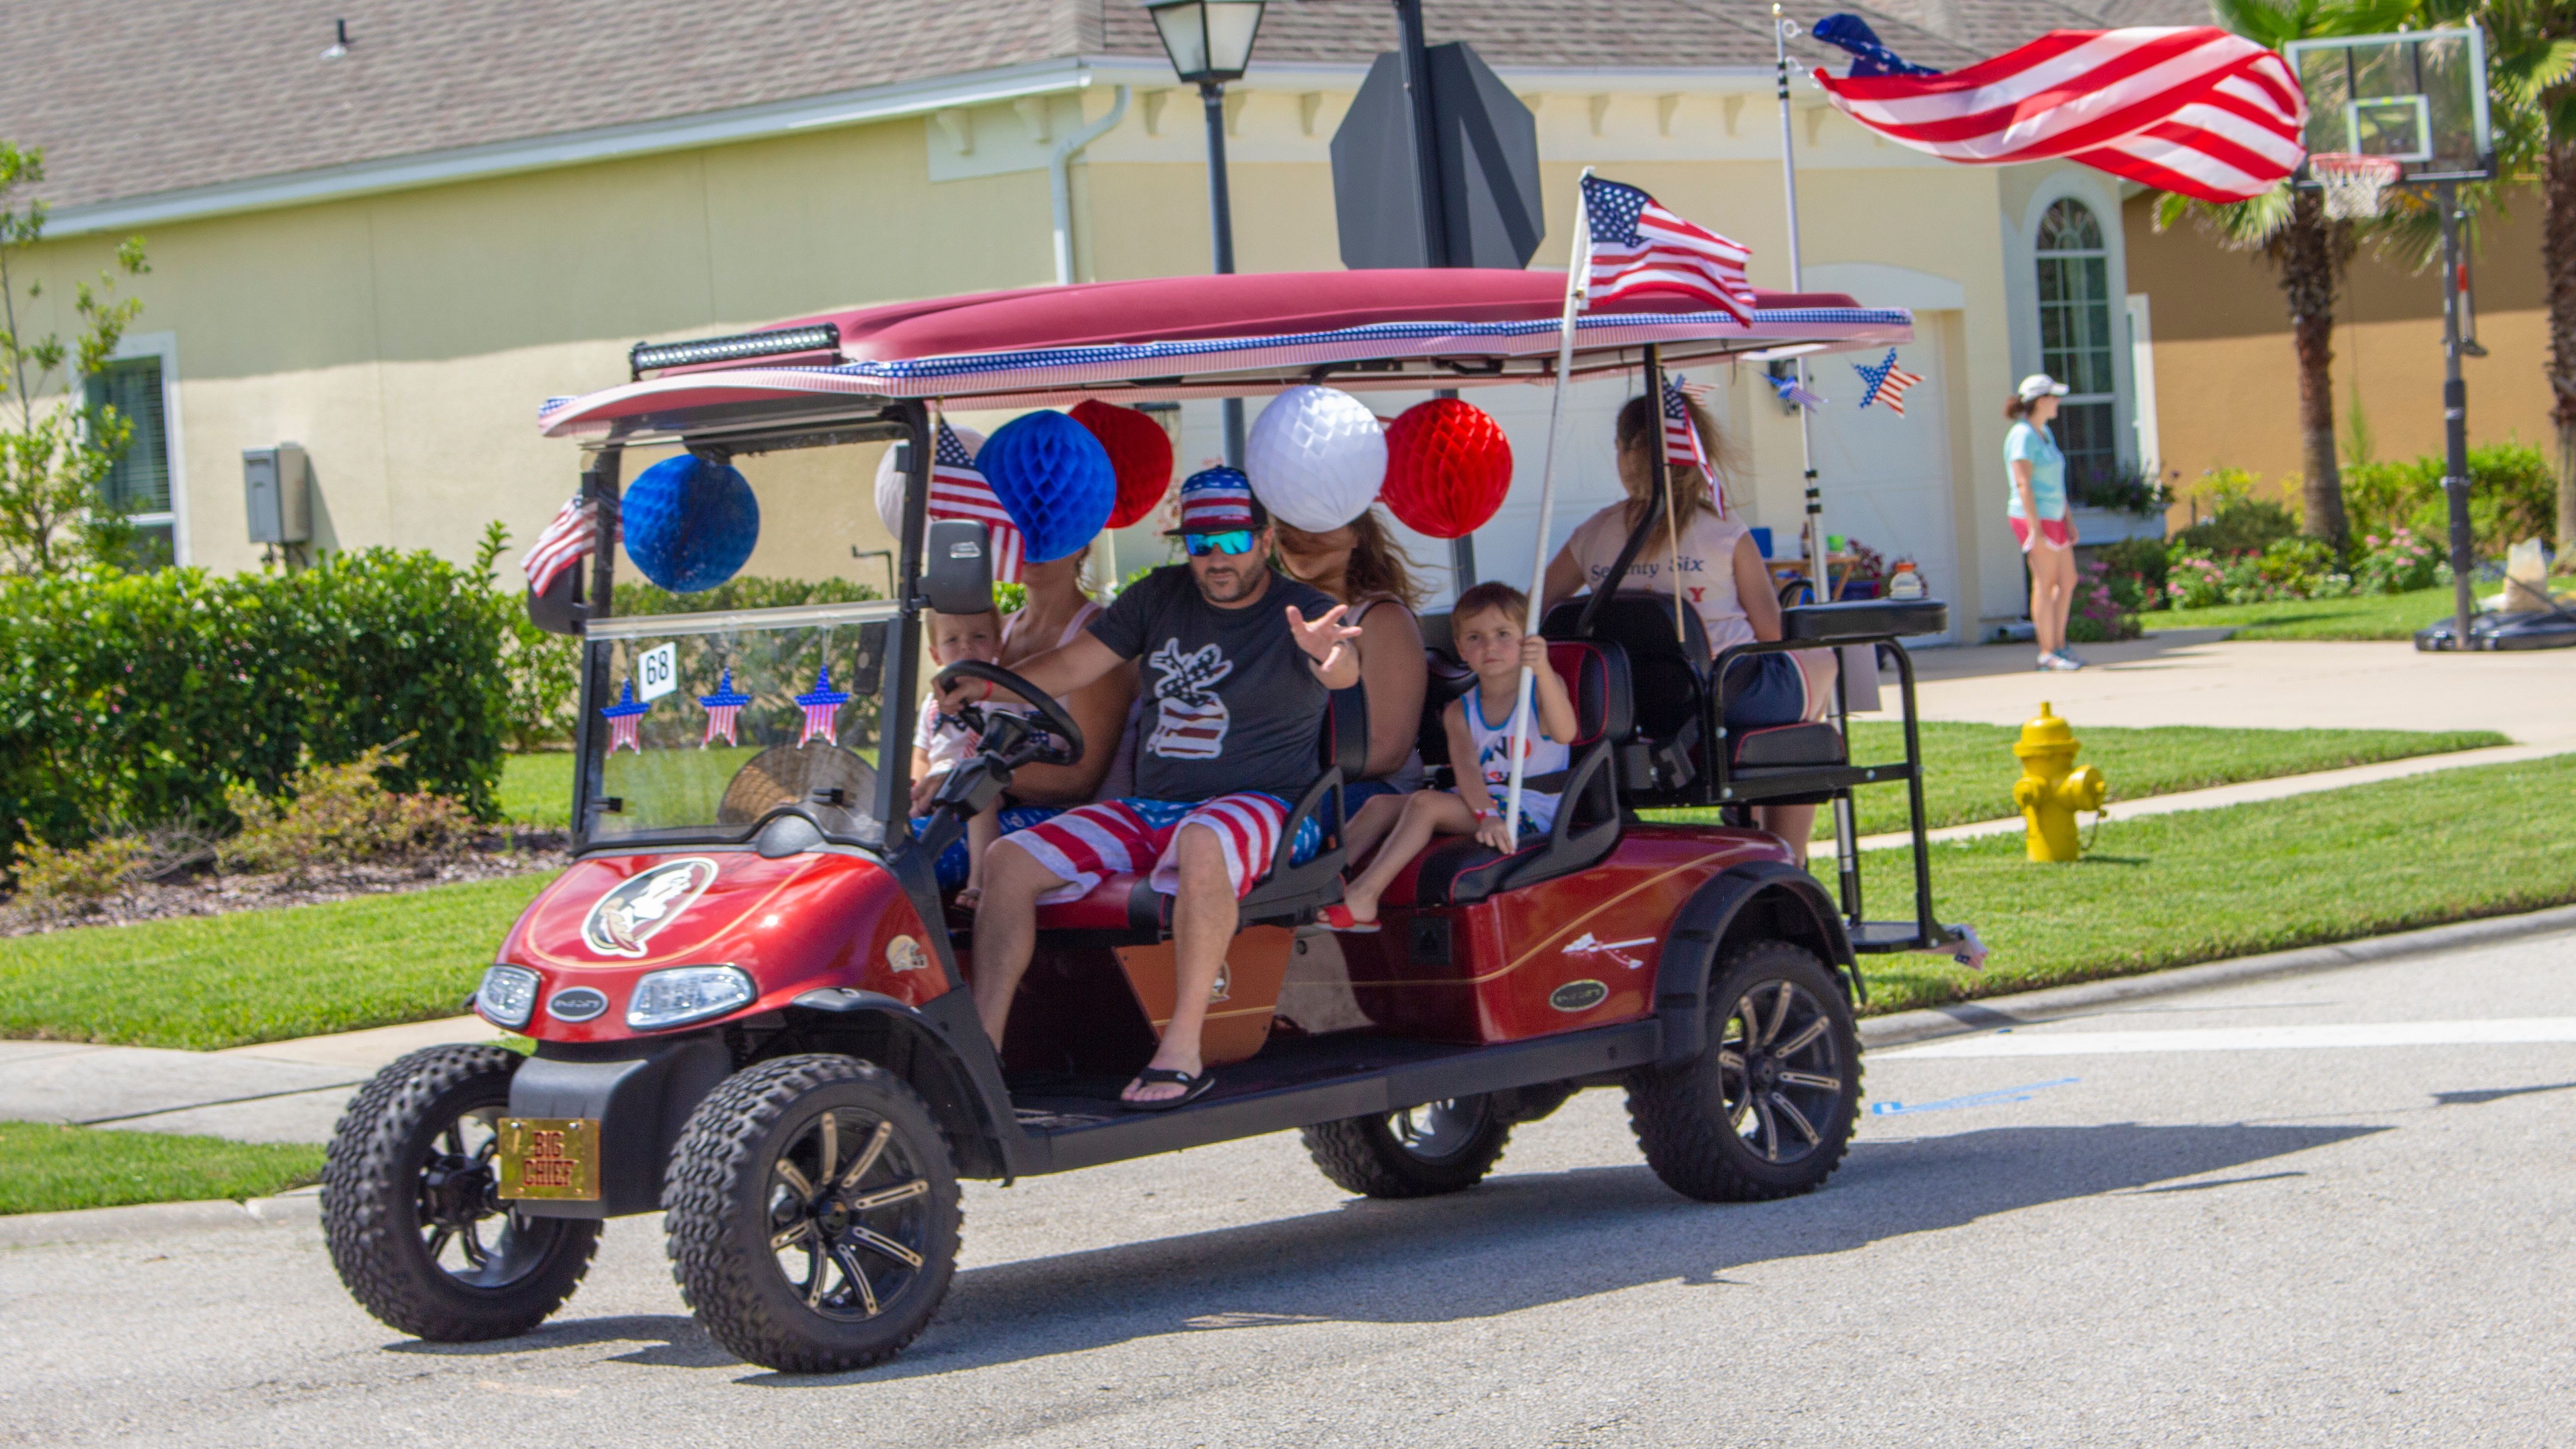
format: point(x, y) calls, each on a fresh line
point(848, 1215)
point(1439, 1131)
point(465, 1230)
point(1781, 1070)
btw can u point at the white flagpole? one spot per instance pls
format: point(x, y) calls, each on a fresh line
point(1782, 27)
point(1578, 268)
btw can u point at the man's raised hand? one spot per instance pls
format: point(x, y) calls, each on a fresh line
point(1322, 638)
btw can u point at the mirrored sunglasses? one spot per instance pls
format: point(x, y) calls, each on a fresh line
point(1231, 542)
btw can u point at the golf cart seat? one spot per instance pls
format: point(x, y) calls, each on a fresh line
point(1458, 870)
point(1128, 905)
point(1766, 764)
point(1667, 669)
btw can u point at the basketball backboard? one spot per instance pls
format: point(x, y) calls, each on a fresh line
point(2417, 97)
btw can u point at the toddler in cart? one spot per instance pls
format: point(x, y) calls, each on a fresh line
point(940, 743)
point(1485, 625)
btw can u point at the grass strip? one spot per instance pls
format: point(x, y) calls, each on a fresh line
point(1969, 769)
point(536, 790)
point(2207, 885)
point(2383, 616)
point(48, 1168)
point(206, 982)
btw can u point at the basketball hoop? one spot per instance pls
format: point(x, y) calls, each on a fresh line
point(2354, 185)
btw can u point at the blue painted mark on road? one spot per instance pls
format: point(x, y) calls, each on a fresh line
point(1994, 1098)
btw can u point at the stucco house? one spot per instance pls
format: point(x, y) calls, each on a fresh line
point(391, 250)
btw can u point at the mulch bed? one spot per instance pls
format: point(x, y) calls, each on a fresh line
point(207, 893)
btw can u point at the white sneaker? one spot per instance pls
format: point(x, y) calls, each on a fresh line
point(2056, 664)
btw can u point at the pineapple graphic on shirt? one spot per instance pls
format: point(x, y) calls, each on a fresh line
point(1190, 721)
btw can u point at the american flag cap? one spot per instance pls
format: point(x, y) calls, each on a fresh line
point(1219, 500)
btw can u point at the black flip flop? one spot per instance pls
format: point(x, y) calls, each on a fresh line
point(1196, 1087)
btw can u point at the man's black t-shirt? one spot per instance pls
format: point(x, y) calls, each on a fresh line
point(1232, 702)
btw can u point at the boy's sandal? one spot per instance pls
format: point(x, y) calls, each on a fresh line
point(1194, 1087)
point(1339, 918)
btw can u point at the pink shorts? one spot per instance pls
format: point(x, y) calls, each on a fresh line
point(2052, 529)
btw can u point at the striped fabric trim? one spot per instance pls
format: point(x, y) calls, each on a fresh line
point(1049, 367)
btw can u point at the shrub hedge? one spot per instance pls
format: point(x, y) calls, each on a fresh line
point(2513, 495)
point(138, 698)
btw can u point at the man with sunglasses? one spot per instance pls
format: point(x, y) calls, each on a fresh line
point(1239, 661)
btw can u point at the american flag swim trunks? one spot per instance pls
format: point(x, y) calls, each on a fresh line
point(1085, 846)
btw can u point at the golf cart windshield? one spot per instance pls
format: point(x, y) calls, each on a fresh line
point(717, 722)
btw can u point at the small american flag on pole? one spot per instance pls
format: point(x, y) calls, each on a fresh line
point(623, 717)
point(1637, 248)
point(573, 534)
point(821, 705)
point(1682, 448)
point(723, 708)
point(957, 490)
point(1885, 383)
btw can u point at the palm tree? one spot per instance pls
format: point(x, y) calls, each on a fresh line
point(2309, 251)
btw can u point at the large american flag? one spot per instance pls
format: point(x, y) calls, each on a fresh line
point(2189, 109)
point(957, 490)
point(565, 542)
point(1637, 247)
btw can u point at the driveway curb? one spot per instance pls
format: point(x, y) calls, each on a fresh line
point(1898, 1028)
point(152, 1219)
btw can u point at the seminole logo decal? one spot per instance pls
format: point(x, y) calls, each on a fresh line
point(634, 913)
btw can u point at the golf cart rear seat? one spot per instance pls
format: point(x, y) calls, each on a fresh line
point(1128, 904)
point(1459, 871)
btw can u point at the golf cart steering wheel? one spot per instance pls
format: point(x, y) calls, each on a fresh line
point(1059, 723)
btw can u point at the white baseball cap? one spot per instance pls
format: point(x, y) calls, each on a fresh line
point(2039, 385)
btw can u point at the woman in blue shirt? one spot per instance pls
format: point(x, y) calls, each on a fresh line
point(2037, 511)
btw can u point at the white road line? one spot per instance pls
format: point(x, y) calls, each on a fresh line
point(2248, 1038)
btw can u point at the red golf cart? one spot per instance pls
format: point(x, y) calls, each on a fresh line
point(748, 995)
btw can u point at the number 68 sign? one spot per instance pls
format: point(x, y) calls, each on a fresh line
point(657, 671)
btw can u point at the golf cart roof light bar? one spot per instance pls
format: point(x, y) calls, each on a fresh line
point(646, 357)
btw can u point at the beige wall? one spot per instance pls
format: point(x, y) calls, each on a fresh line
point(2226, 378)
point(407, 339)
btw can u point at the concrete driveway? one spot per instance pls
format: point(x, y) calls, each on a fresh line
point(2153, 1229)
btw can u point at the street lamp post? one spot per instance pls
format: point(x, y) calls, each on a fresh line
point(1210, 43)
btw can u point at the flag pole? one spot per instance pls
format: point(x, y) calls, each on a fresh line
point(1578, 266)
point(1781, 29)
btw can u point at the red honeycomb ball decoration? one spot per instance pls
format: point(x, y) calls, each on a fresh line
point(1140, 451)
point(1448, 466)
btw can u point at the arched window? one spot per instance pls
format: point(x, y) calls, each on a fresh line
point(2075, 336)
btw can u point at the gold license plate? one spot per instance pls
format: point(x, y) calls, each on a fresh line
point(550, 1157)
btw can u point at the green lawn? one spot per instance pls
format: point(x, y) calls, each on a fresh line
point(2206, 885)
point(2386, 616)
point(1969, 769)
point(46, 1168)
point(536, 790)
point(219, 981)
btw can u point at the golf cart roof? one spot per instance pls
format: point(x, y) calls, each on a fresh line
point(1179, 337)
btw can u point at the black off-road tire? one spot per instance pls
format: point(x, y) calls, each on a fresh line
point(722, 1203)
point(1715, 1132)
point(379, 1205)
point(1397, 1154)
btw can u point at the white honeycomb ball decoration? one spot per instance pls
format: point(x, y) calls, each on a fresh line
point(1316, 458)
point(890, 482)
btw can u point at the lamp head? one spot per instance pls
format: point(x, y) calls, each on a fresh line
point(1209, 41)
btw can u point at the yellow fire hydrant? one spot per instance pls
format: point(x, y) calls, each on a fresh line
point(2051, 789)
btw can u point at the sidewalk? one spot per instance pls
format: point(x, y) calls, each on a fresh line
point(284, 1091)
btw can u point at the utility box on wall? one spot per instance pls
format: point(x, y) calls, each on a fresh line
point(279, 497)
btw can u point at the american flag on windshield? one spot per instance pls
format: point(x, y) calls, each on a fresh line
point(724, 709)
point(623, 718)
point(957, 490)
point(821, 705)
point(1638, 248)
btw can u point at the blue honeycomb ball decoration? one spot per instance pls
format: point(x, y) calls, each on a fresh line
point(690, 524)
point(1054, 479)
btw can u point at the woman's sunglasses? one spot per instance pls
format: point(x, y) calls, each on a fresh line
point(1232, 542)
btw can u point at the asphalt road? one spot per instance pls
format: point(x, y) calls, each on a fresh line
point(2224, 1236)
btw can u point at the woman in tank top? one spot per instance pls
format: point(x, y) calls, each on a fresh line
point(1709, 560)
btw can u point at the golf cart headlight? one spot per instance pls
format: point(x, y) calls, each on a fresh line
point(687, 993)
point(507, 995)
